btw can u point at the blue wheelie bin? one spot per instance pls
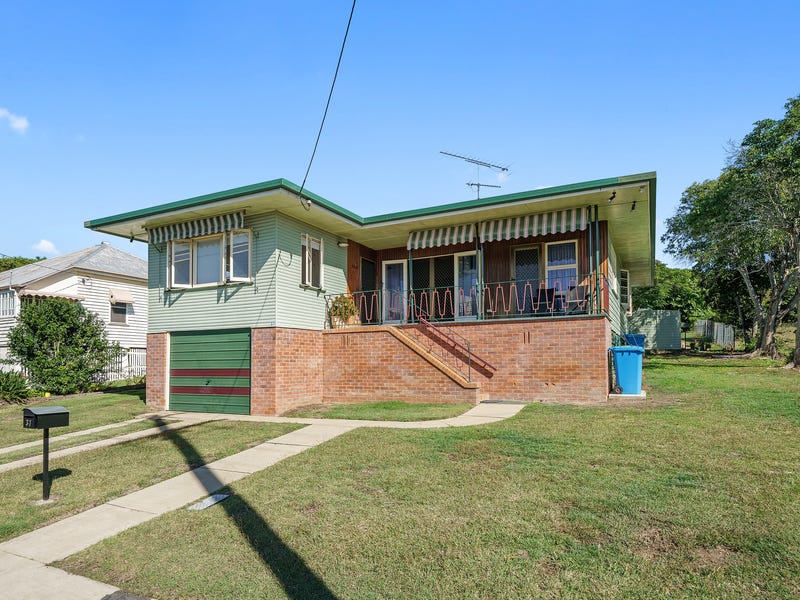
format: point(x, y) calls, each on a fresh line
point(628, 368)
point(634, 339)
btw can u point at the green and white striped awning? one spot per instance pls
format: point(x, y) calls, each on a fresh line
point(443, 236)
point(512, 228)
point(200, 227)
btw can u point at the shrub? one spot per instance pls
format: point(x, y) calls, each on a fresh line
point(62, 346)
point(13, 387)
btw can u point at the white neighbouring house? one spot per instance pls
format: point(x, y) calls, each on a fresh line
point(105, 280)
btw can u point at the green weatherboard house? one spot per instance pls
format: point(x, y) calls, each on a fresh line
point(261, 301)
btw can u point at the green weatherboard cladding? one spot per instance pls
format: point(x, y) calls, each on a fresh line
point(210, 371)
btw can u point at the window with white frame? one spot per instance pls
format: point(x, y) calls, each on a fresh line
point(210, 260)
point(562, 265)
point(239, 256)
point(8, 303)
point(119, 313)
point(312, 255)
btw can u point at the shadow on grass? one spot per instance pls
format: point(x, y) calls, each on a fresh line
point(54, 474)
point(294, 575)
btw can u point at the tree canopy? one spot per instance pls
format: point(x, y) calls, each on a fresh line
point(12, 262)
point(674, 289)
point(747, 221)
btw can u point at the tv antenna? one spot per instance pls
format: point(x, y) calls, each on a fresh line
point(478, 163)
point(480, 185)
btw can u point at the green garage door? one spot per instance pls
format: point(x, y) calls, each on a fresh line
point(210, 371)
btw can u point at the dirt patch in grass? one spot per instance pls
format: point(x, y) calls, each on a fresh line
point(653, 543)
point(714, 558)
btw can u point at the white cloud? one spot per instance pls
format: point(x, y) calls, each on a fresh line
point(502, 176)
point(46, 247)
point(17, 123)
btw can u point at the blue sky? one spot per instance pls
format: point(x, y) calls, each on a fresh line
point(107, 107)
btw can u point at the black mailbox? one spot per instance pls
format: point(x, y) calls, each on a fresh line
point(45, 417)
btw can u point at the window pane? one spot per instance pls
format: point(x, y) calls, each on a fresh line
point(119, 313)
point(240, 254)
point(207, 268)
point(316, 266)
point(305, 262)
point(562, 279)
point(561, 254)
point(181, 263)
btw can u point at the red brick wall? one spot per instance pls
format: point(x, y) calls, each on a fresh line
point(157, 365)
point(299, 368)
point(262, 372)
point(559, 359)
point(370, 364)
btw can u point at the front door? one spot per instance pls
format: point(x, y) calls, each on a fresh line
point(367, 300)
point(466, 290)
point(526, 278)
point(394, 291)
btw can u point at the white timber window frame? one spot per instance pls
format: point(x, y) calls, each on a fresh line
point(312, 260)
point(558, 272)
point(211, 260)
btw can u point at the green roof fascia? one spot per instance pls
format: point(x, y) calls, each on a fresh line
point(585, 186)
point(255, 188)
point(274, 184)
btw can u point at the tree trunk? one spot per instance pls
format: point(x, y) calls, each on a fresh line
point(769, 326)
point(745, 329)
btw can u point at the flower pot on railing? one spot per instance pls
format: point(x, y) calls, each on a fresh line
point(342, 312)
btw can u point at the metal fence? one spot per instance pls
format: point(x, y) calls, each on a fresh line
point(719, 333)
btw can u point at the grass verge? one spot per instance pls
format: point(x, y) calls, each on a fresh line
point(696, 495)
point(85, 412)
point(61, 444)
point(381, 411)
point(84, 480)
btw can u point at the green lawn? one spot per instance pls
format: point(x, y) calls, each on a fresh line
point(86, 479)
point(61, 444)
point(694, 495)
point(85, 412)
point(381, 411)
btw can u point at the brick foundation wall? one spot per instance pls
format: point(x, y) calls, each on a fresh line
point(262, 372)
point(299, 368)
point(285, 369)
point(157, 370)
point(559, 359)
point(370, 364)
point(553, 360)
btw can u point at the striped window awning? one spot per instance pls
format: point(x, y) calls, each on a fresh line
point(512, 228)
point(443, 236)
point(190, 229)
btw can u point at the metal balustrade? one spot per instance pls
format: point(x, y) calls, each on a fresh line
point(527, 299)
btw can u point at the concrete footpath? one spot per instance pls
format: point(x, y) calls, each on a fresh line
point(23, 560)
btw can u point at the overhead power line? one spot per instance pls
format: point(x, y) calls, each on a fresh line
point(325, 114)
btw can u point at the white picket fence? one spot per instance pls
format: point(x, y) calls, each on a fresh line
point(132, 363)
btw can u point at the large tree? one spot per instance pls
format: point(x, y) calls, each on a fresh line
point(674, 289)
point(61, 345)
point(747, 221)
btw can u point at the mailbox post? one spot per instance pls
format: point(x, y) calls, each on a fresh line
point(45, 417)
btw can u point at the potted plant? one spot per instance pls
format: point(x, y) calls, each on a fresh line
point(342, 311)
